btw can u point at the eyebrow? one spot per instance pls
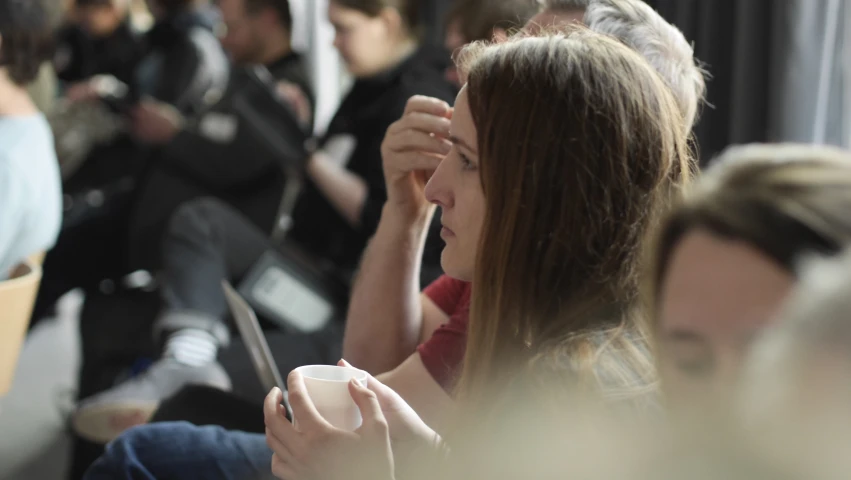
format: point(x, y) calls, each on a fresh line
point(458, 141)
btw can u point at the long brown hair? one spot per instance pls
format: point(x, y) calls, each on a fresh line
point(581, 148)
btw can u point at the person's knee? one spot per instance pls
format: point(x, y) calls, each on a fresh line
point(195, 220)
point(135, 449)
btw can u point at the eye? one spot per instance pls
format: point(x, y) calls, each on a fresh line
point(466, 164)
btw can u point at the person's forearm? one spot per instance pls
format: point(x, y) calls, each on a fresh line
point(385, 312)
point(344, 190)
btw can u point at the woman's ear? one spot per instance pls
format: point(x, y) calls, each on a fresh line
point(393, 22)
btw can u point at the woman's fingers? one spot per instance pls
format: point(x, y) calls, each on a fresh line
point(278, 447)
point(281, 469)
point(304, 411)
point(415, 140)
point(276, 423)
point(370, 409)
point(430, 105)
point(423, 122)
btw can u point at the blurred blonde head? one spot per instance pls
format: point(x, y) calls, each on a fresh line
point(725, 259)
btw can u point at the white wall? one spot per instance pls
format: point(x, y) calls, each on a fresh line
point(313, 35)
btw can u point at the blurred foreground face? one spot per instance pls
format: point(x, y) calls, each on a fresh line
point(716, 295)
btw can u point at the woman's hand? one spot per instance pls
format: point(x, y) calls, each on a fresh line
point(410, 437)
point(412, 149)
point(319, 451)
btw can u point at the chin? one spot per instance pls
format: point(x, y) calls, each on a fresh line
point(453, 267)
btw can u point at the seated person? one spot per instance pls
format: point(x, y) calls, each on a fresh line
point(336, 213)
point(217, 153)
point(726, 261)
point(204, 233)
point(181, 60)
point(98, 40)
point(181, 63)
point(205, 159)
point(30, 187)
point(530, 121)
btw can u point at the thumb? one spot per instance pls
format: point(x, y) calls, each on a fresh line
point(367, 403)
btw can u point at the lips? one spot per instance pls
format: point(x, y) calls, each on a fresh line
point(446, 232)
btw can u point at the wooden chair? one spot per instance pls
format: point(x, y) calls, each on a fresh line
point(17, 296)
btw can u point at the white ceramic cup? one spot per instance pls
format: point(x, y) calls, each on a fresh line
point(328, 388)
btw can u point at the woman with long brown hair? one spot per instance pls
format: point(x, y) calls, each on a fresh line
point(565, 152)
point(557, 263)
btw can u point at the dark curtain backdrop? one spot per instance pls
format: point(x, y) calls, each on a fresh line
point(734, 39)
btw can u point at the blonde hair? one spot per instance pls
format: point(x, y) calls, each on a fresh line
point(787, 201)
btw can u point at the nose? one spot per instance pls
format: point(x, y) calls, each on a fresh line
point(438, 190)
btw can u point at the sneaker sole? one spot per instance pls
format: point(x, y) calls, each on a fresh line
point(104, 424)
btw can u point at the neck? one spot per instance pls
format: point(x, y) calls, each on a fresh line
point(14, 99)
point(278, 45)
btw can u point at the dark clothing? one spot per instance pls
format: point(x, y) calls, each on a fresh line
point(205, 160)
point(79, 56)
point(183, 63)
point(207, 241)
point(367, 111)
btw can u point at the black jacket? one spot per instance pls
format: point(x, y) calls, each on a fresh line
point(215, 155)
point(184, 64)
point(79, 56)
point(365, 114)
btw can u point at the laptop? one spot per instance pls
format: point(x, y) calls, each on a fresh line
point(255, 342)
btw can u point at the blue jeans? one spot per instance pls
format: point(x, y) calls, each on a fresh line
point(181, 450)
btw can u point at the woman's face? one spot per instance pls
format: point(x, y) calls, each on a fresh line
point(716, 295)
point(366, 44)
point(457, 189)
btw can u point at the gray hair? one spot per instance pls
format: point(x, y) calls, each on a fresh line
point(664, 46)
